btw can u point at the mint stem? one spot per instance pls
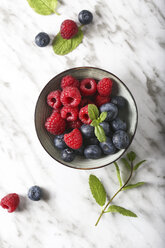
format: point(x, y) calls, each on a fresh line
point(103, 211)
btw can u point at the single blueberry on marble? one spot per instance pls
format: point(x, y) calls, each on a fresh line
point(85, 17)
point(92, 152)
point(42, 39)
point(35, 193)
point(120, 139)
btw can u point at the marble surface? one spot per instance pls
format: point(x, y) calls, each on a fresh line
point(126, 38)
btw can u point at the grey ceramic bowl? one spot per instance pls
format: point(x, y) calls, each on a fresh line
point(42, 111)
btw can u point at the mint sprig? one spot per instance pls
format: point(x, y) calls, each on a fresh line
point(99, 193)
point(93, 113)
point(43, 7)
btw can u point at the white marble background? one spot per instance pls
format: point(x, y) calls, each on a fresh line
point(126, 38)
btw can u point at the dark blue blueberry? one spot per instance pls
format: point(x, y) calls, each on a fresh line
point(80, 151)
point(92, 152)
point(111, 109)
point(93, 141)
point(35, 193)
point(42, 39)
point(118, 124)
point(67, 155)
point(108, 147)
point(87, 131)
point(120, 139)
point(106, 126)
point(85, 17)
point(59, 142)
point(120, 101)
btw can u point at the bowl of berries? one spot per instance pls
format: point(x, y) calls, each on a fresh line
point(86, 118)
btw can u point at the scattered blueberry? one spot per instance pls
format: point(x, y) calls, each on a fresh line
point(111, 109)
point(92, 152)
point(85, 17)
point(108, 147)
point(35, 193)
point(93, 141)
point(118, 124)
point(42, 39)
point(120, 139)
point(87, 131)
point(59, 142)
point(120, 101)
point(67, 155)
point(106, 126)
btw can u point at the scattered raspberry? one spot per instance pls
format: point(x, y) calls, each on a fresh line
point(74, 139)
point(68, 29)
point(85, 101)
point(53, 99)
point(69, 113)
point(100, 100)
point(55, 124)
point(69, 81)
point(74, 124)
point(10, 202)
point(88, 87)
point(83, 115)
point(104, 87)
point(70, 96)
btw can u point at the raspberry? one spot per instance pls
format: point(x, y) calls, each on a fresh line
point(53, 99)
point(69, 113)
point(100, 100)
point(104, 87)
point(83, 115)
point(74, 139)
point(10, 202)
point(88, 87)
point(74, 124)
point(85, 101)
point(70, 96)
point(68, 29)
point(69, 81)
point(55, 124)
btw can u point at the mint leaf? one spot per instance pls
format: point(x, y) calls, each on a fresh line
point(131, 186)
point(118, 174)
point(123, 211)
point(126, 163)
point(131, 156)
point(102, 117)
point(93, 112)
point(43, 7)
point(100, 134)
point(94, 123)
point(97, 190)
point(138, 164)
point(62, 46)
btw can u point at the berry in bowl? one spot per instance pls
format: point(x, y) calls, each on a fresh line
point(86, 118)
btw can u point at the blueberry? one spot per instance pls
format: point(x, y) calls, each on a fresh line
point(120, 139)
point(87, 131)
point(92, 152)
point(85, 17)
point(111, 109)
point(118, 124)
point(92, 141)
point(80, 151)
point(67, 155)
point(108, 147)
point(120, 101)
point(42, 39)
point(35, 193)
point(106, 126)
point(59, 142)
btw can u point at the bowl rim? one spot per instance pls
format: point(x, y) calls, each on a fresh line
point(80, 68)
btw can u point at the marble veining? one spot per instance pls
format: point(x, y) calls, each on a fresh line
point(126, 38)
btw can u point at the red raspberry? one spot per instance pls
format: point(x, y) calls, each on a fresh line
point(104, 87)
point(83, 115)
point(74, 124)
point(68, 29)
point(69, 81)
point(10, 202)
point(69, 113)
point(70, 96)
point(53, 99)
point(85, 101)
point(100, 100)
point(74, 139)
point(88, 86)
point(55, 124)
